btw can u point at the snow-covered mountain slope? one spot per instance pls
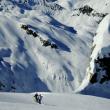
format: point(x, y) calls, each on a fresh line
point(100, 6)
point(12, 101)
point(99, 67)
point(57, 57)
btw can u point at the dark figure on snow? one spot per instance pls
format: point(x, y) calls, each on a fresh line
point(38, 98)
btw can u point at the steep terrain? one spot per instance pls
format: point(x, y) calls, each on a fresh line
point(99, 67)
point(56, 57)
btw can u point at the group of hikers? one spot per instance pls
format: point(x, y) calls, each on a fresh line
point(38, 98)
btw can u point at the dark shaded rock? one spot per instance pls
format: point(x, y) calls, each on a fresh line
point(54, 46)
point(30, 32)
point(25, 27)
point(94, 78)
point(105, 78)
point(46, 43)
point(35, 34)
point(103, 66)
point(86, 9)
point(1, 85)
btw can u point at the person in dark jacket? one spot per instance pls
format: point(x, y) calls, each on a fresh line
point(38, 98)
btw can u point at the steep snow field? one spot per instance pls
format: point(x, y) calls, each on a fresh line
point(101, 40)
point(101, 44)
point(26, 65)
point(54, 101)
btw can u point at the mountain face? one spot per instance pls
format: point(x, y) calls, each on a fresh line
point(99, 67)
point(54, 45)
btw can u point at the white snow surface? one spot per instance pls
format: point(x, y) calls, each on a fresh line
point(26, 65)
point(101, 46)
point(52, 101)
point(102, 41)
point(101, 49)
